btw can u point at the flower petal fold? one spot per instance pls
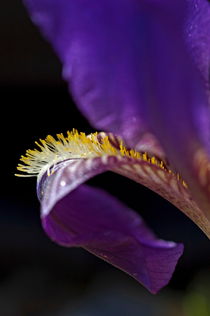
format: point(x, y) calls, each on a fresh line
point(87, 217)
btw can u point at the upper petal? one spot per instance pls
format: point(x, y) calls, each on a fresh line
point(98, 44)
point(197, 29)
point(176, 103)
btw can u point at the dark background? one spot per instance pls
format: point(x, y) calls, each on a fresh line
point(38, 277)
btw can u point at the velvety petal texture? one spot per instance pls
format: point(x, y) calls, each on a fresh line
point(91, 37)
point(98, 44)
point(82, 216)
point(176, 104)
point(197, 30)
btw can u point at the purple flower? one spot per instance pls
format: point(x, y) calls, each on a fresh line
point(140, 70)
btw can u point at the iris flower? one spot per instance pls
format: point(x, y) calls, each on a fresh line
point(139, 71)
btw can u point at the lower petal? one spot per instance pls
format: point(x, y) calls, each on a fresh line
point(96, 221)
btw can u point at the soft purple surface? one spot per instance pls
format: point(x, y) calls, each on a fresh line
point(197, 29)
point(92, 219)
point(98, 44)
point(104, 46)
point(74, 214)
point(175, 96)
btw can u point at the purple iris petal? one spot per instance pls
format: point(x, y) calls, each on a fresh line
point(98, 44)
point(105, 53)
point(197, 29)
point(176, 102)
point(100, 48)
point(92, 219)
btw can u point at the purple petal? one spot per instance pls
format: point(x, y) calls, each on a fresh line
point(154, 176)
point(92, 219)
point(176, 104)
point(98, 44)
point(197, 34)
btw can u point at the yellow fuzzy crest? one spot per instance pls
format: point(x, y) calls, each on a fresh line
point(75, 146)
